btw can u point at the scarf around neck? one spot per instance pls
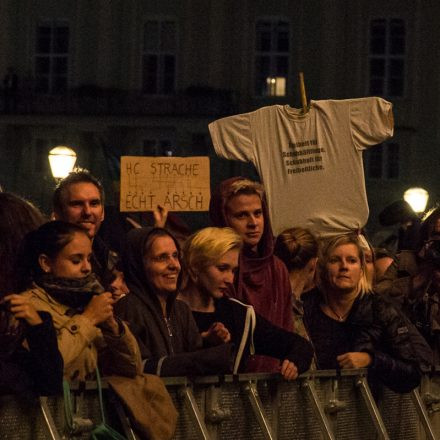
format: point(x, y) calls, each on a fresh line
point(74, 293)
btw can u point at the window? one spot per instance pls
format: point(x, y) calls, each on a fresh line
point(271, 57)
point(387, 57)
point(382, 161)
point(157, 147)
point(51, 57)
point(199, 144)
point(159, 57)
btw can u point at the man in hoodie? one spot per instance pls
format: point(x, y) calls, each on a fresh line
point(262, 279)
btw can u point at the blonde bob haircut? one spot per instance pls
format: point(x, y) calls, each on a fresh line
point(327, 249)
point(207, 246)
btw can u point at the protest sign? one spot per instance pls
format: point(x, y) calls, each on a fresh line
point(176, 183)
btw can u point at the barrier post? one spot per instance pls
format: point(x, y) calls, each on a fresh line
point(318, 410)
point(252, 393)
point(361, 382)
point(423, 415)
point(187, 393)
point(54, 435)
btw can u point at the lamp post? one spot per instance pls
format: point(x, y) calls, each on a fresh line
point(417, 198)
point(62, 160)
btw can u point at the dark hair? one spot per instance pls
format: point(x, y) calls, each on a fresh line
point(382, 253)
point(427, 228)
point(17, 218)
point(295, 247)
point(156, 233)
point(49, 239)
point(79, 175)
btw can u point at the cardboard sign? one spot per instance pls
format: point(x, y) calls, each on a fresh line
point(176, 183)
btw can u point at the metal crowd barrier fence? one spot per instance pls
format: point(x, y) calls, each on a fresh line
point(319, 405)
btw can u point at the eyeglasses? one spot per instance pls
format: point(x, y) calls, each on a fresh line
point(165, 258)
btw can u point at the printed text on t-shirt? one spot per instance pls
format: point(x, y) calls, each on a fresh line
point(309, 158)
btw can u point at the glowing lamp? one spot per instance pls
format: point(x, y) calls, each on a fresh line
point(62, 160)
point(417, 198)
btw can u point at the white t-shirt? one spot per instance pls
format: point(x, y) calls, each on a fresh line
point(310, 165)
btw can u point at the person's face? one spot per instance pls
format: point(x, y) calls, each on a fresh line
point(245, 215)
point(344, 269)
point(73, 261)
point(162, 265)
point(370, 270)
point(83, 206)
point(118, 286)
point(216, 278)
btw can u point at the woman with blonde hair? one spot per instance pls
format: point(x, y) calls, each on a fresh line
point(351, 327)
point(210, 259)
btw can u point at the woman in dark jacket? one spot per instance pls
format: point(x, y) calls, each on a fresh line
point(164, 327)
point(351, 327)
point(211, 260)
point(35, 366)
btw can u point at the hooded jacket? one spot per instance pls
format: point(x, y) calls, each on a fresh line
point(266, 338)
point(170, 345)
point(262, 279)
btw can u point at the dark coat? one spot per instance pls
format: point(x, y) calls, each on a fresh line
point(269, 340)
point(39, 369)
point(373, 326)
point(262, 279)
point(171, 346)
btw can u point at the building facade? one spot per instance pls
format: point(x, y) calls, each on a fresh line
point(139, 77)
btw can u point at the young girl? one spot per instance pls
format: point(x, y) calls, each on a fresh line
point(211, 259)
point(61, 283)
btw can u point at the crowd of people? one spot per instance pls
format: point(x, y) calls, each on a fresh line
point(230, 298)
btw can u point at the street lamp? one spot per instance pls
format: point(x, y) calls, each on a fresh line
point(417, 199)
point(62, 160)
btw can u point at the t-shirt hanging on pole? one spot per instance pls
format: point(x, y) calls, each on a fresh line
point(310, 164)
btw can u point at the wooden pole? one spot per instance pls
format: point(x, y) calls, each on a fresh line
point(303, 93)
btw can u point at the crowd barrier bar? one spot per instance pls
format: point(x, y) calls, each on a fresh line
point(252, 406)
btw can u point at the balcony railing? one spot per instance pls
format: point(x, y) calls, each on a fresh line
point(91, 100)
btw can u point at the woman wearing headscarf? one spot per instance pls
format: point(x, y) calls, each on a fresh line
point(163, 325)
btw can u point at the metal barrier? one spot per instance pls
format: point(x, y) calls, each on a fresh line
point(319, 405)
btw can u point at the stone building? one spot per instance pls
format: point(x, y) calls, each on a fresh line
point(139, 77)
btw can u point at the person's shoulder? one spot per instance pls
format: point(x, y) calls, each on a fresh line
point(180, 305)
point(128, 306)
point(382, 307)
point(310, 300)
point(280, 268)
point(38, 297)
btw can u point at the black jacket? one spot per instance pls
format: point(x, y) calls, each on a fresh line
point(171, 346)
point(373, 326)
point(268, 339)
point(39, 369)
